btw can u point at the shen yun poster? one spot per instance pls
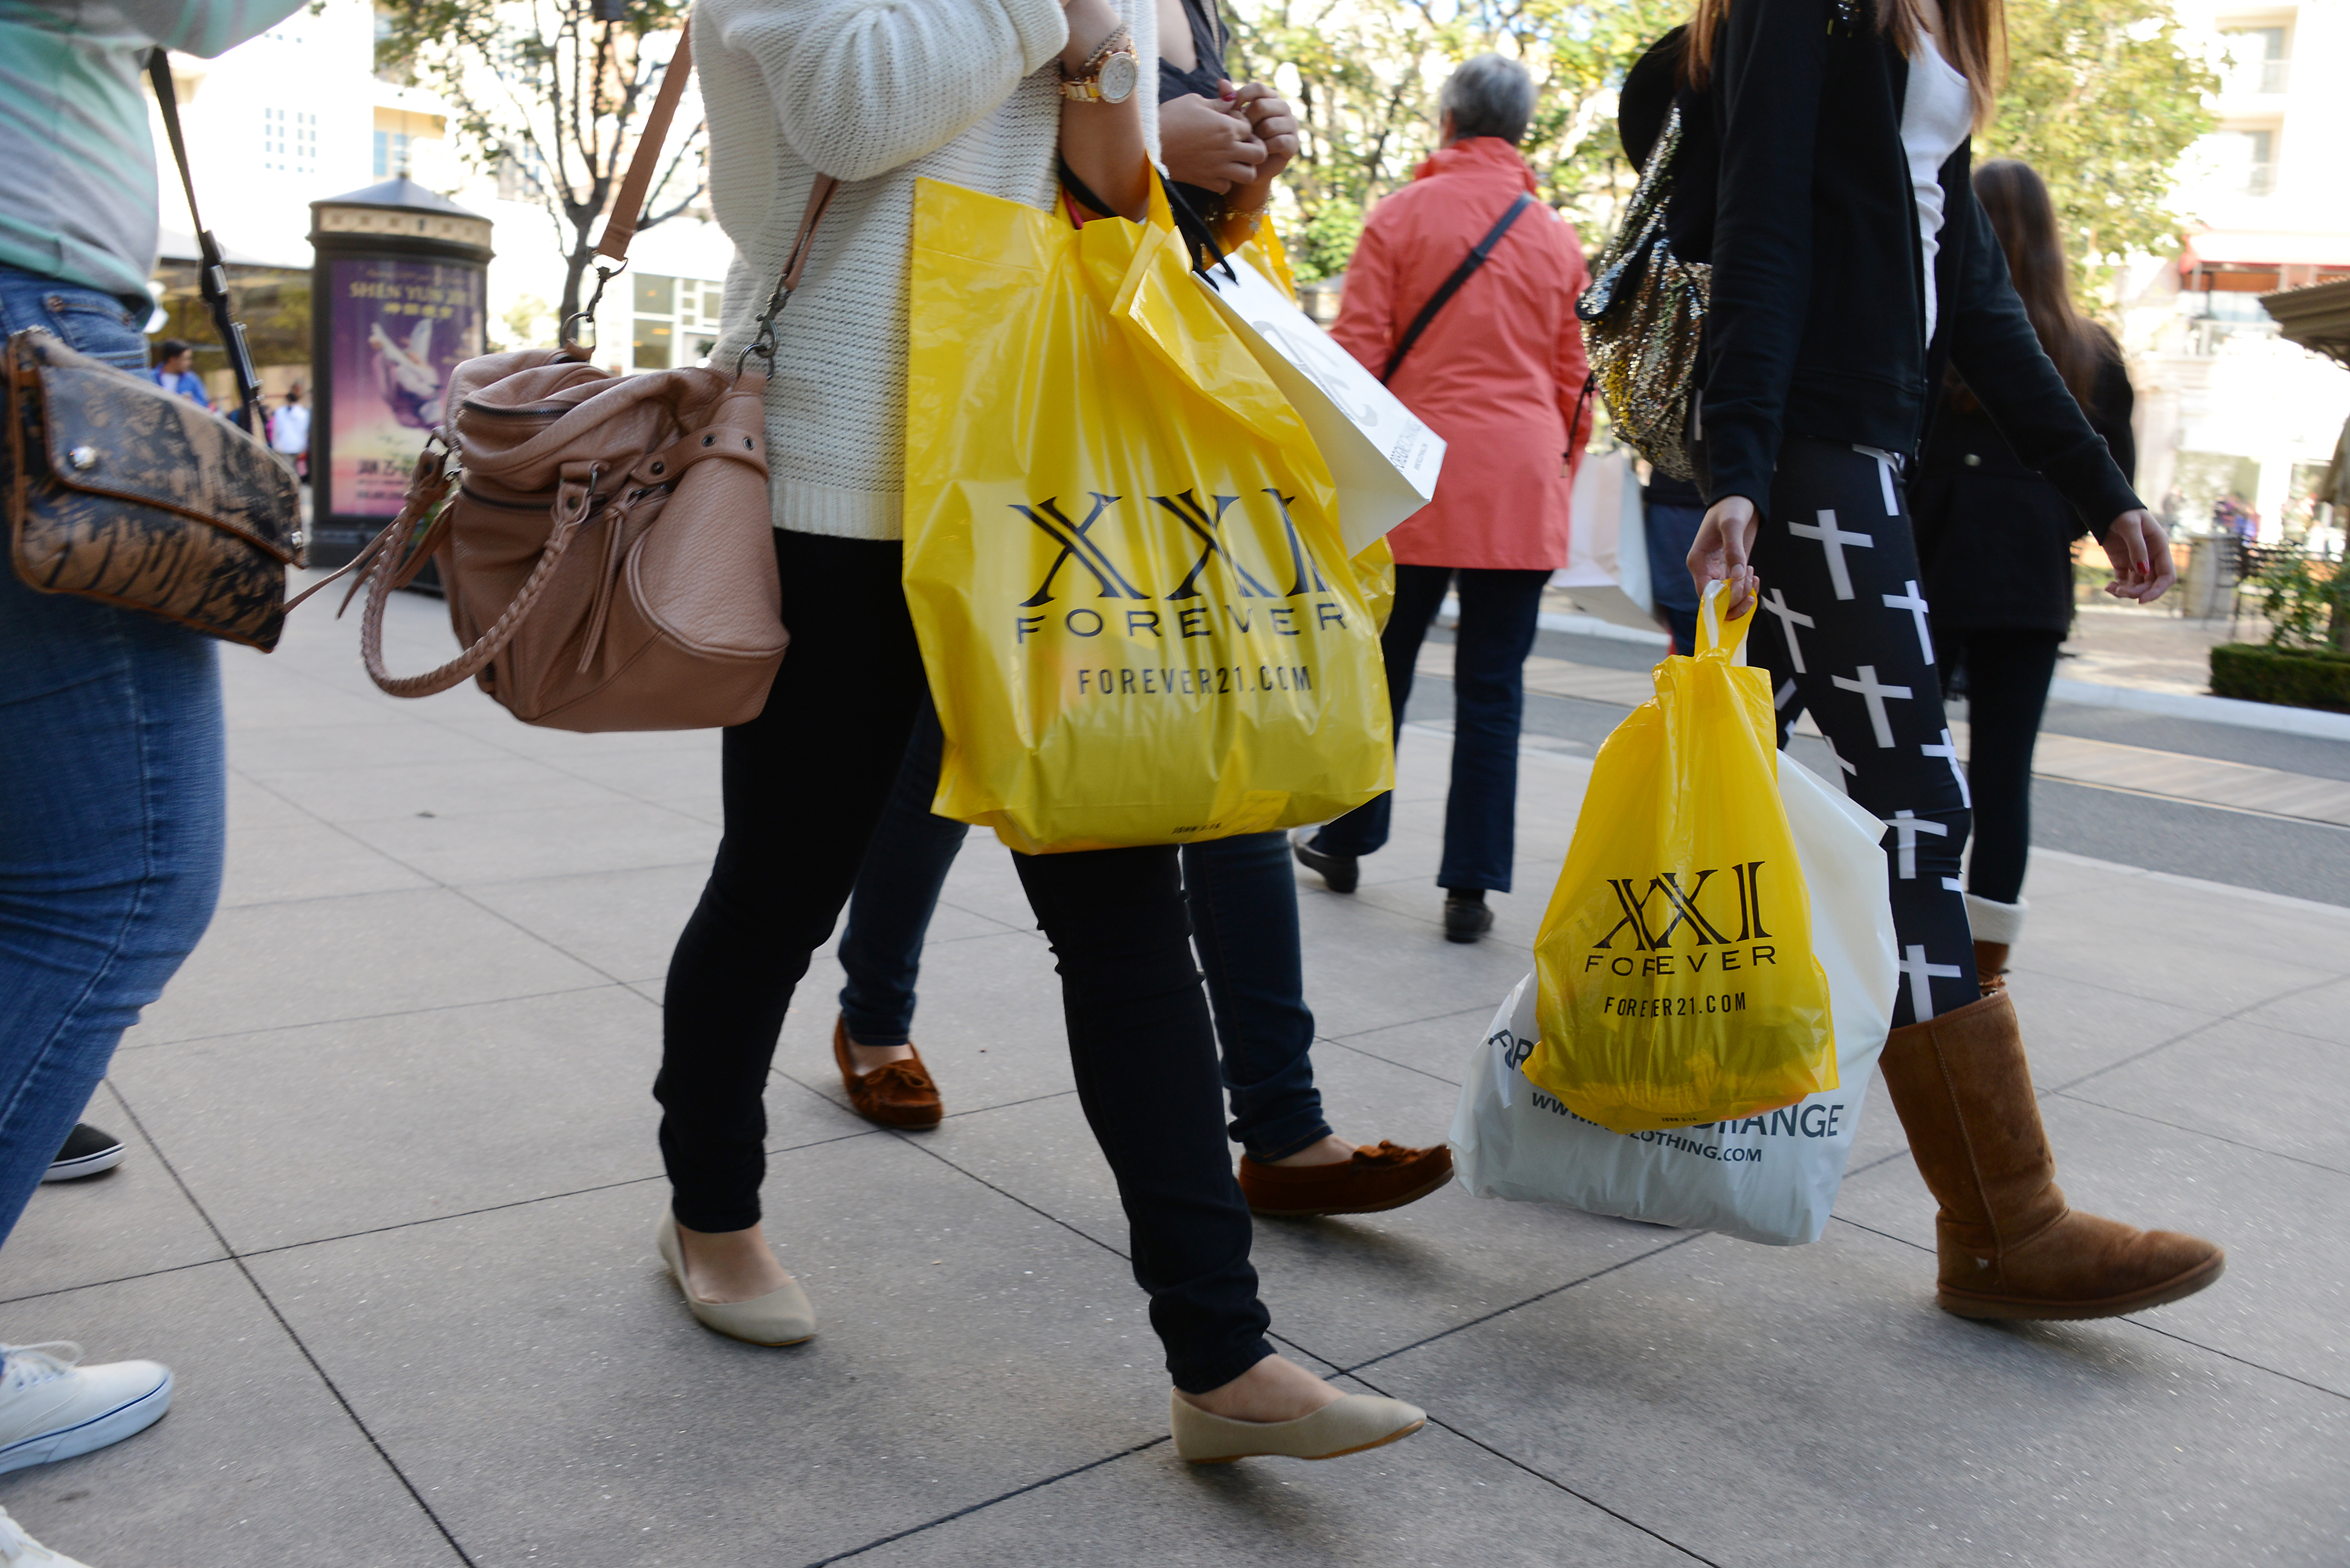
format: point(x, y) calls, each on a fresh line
point(400, 328)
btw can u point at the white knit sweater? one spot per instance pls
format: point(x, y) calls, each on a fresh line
point(876, 93)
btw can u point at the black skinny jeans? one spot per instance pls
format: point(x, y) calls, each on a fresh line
point(2008, 673)
point(805, 784)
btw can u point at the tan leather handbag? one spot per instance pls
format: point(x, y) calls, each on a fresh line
point(605, 542)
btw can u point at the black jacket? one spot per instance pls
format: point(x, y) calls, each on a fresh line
point(1994, 538)
point(1816, 325)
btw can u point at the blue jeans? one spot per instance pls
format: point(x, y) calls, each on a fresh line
point(113, 773)
point(1499, 612)
point(1671, 531)
point(1242, 898)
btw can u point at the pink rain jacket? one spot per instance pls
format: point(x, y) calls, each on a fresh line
point(1496, 374)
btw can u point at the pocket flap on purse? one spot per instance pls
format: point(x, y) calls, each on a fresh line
point(109, 432)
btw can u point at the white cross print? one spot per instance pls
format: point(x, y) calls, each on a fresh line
point(1952, 885)
point(1833, 540)
point(1839, 759)
point(1789, 619)
point(1780, 698)
point(1888, 465)
point(1909, 598)
point(1950, 749)
point(1874, 693)
point(1922, 976)
point(1909, 825)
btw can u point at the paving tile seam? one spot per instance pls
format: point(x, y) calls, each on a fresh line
point(990, 1502)
point(2239, 1360)
point(223, 1259)
point(2208, 1133)
point(1375, 1056)
point(372, 1017)
point(1355, 1370)
point(293, 1338)
point(1584, 1498)
point(1404, 1023)
point(2201, 884)
point(912, 1142)
point(2210, 1023)
point(2134, 1320)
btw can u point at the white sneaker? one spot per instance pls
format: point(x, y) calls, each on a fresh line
point(19, 1550)
point(52, 1410)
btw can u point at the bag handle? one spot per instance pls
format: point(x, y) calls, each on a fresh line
point(1451, 286)
point(211, 277)
point(426, 488)
point(636, 185)
point(1714, 635)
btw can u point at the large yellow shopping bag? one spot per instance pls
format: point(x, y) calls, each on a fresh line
point(1677, 977)
point(1121, 554)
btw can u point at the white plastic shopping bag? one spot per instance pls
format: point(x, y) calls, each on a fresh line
point(1771, 1177)
point(1383, 459)
point(1607, 567)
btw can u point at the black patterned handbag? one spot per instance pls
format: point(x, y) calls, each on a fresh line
point(120, 490)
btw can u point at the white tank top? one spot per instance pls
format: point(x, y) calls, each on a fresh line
point(1937, 112)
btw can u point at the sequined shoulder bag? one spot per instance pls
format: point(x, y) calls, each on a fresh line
point(1644, 319)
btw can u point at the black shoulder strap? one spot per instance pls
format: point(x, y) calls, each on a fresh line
point(213, 276)
point(1451, 286)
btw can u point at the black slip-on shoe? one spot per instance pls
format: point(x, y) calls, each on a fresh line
point(1466, 920)
point(87, 1152)
point(1338, 872)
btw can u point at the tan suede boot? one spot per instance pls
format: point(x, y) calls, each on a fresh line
point(2009, 1246)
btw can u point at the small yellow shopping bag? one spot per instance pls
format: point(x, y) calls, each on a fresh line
point(1677, 981)
point(1122, 554)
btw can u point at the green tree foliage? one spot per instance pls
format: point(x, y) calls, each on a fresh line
point(2102, 96)
point(1364, 75)
point(552, 96)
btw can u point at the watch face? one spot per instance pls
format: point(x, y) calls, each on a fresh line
point(1118, 75)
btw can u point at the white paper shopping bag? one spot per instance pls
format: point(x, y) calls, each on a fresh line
point(1383, 459)
point(1607, 570)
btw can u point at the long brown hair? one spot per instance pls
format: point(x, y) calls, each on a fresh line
point(2016, 202)
point(1972, 37)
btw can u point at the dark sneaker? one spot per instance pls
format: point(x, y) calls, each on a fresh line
point(1466, 920)
point(1338, 871)
point(87, 1152)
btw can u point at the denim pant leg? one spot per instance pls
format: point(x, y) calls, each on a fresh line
point(1498, 615)
point(112, 805)
point(1243, 903)
point(1419, 594)
point(896, 893)
point(1672, 530)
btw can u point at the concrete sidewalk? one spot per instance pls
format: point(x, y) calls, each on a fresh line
point(389, 1204)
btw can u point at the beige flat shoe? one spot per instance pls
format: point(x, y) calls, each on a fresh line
point(780, 1317)
point(1351, 1424)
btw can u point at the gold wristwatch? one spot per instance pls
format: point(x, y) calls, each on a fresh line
point(1109, 75)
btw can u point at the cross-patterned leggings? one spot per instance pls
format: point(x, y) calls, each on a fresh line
point(1842, 632)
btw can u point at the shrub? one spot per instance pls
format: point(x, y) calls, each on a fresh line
point(2293, 678)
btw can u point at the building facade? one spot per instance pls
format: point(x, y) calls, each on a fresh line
point(2226, 408)
point(301, 113)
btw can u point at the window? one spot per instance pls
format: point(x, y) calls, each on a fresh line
point(2244, 161)
point(390, 153)
point(676, 320)
point(289, 140)
point(2256, 60)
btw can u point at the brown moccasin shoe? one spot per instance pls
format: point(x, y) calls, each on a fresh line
point(1382, 1175)
point(899, 1095)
